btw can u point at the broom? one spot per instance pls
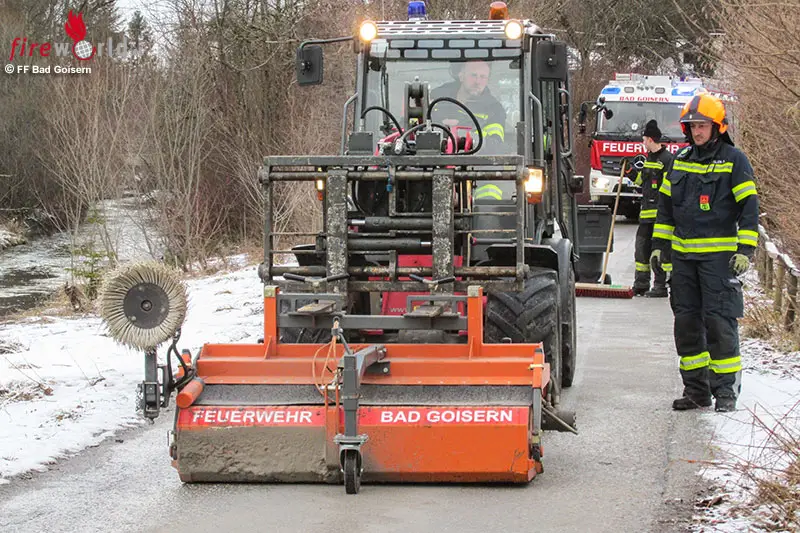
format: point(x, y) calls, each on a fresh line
point(599, 290)
point(142, 304)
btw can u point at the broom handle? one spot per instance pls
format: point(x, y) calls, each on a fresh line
point(613, 222)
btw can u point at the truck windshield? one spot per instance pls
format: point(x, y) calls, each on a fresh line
point(629, 119)
point(489, 88)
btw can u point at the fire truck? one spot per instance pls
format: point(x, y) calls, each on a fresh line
point(621, 111)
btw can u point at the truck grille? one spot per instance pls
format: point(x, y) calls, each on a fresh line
point(610, 165)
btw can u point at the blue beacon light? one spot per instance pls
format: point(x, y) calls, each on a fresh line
point(416, 11)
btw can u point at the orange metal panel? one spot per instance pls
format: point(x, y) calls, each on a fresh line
point(414, 444)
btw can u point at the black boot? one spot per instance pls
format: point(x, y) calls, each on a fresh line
point(658, 291)
point(640, 291)
point(725, 404)
point(685, 403)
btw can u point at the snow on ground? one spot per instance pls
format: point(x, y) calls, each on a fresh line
point(65, 385)
point(751, 443)
point(744, 448)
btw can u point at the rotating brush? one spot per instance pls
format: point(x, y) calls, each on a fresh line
point(143, 304)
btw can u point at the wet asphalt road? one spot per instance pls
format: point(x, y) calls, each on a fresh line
point(627, 471)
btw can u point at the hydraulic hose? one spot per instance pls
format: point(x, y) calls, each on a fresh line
point(385, 112)
point(471, 116)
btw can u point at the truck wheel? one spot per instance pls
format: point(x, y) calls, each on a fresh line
point(569, 334)
point(530, 316)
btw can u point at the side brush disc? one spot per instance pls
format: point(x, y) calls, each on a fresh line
point(143, 305)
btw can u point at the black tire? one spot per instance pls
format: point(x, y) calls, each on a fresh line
point(569, 334)
point(530, 316)
point(303, 335)
point(352, 472)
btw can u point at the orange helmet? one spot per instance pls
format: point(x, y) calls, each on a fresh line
point(704, 108)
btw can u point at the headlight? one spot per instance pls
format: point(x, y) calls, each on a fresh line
point(368, 31)
point(534, 185)
point(513, 29)
point(600, 183)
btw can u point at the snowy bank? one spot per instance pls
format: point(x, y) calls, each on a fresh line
point(9, 238)
point(754, 446)
point(65, 385)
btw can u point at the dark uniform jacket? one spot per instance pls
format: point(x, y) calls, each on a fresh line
point(492, 118)
point(649, 179)
point(490, 113)
point(708, 204)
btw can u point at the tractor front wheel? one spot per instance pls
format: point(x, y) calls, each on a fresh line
point(530, 316)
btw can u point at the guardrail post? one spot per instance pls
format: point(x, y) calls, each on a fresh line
point(780, 272)
point(768, 273)
point(791, 298)
point(761, 260)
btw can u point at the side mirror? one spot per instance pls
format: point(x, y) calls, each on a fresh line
point(607, 112)
point(551, 60)
point(309, 65)
point(576, 184)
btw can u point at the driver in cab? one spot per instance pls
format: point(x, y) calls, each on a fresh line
point(471, 89)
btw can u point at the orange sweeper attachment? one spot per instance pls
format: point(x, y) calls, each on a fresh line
point(427, 330)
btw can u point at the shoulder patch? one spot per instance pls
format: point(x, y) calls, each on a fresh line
point(684, 151)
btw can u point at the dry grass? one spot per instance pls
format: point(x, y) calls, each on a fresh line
point(768, 468)
point(68, 302)
point(760, 320)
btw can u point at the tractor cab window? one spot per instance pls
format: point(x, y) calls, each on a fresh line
point(629, 118)
point(489, 88)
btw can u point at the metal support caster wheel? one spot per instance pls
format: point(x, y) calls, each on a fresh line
point(351, 465)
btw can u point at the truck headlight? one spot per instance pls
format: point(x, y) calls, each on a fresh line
point(600, 183)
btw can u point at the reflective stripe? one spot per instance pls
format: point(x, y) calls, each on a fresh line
point(653, 164)
point(488, 191)
point(642, 267)
point(648, 213)
point(663, 231)
point(494, 129)
point(666, 187)
point(726, 366)
point(666, 267)
point(699, 168)
point(748, 237)
point(742, 191)
point(703, 246)
point(693, 362)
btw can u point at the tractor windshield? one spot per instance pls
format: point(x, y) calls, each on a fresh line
point(490, 88)
point(629, 119)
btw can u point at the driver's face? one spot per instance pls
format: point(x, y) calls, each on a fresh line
point(474, 77)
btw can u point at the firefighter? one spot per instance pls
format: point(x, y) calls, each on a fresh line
point(649, 178)
point(471, 89)
point(708, 212)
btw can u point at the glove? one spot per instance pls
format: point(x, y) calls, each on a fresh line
point(655, 261)
point(739, 264)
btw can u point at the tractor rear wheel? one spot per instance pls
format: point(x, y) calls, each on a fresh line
point(529, 316)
